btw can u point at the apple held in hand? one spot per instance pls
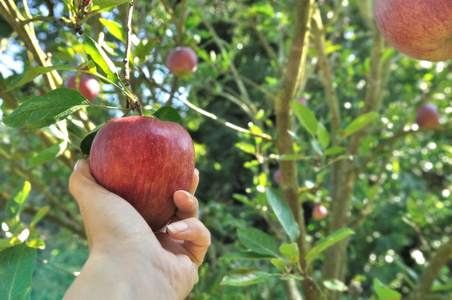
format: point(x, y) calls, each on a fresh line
point(144, 160)
point(87, 86)
point(427, 116)
point(319, 212)
point(421, 29)
point(182, 61)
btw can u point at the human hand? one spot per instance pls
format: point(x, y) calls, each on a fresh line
point(127, 260)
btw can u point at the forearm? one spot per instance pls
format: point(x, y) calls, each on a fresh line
point(103, 278)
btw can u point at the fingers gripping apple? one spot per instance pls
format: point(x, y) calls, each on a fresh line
point(144, 160)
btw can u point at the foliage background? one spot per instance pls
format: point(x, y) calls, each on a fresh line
point(400, 205)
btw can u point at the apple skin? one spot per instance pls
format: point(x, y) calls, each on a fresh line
point(427, 116)
point(277, 176)
point(144, 160)
point(421, 29)
point(89, 87)
point(319, 212)
point(182, 61)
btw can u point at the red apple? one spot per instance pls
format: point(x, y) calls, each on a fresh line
point(319, 212)
point(144, 160)
point(427, 116)
point(421, 29)
point(277, 176)
point(182, 61)
point(87, 86)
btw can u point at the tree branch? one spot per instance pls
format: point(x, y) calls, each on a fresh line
point(152, 82)
point(327, 74)
point(293, 75)
point(425, 281)
point(50, 216)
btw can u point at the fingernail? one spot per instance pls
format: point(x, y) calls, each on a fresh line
point(76, 165)
point(197, 172)
point(177, 227)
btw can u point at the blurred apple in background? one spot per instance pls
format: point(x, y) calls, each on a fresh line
point(302, 101)
point(182, 61)
point(319, 212)
point(88, 86)
point(427, 116)
point(277, 176)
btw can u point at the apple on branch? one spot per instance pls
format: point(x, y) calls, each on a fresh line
point(319, 212)
point(421, 29)
point(144, 160)
point(182, 61)
point(427, 116)
point(87, 86)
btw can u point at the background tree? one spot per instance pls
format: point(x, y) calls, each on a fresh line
point(350, 143)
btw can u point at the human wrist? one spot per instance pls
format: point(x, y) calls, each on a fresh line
point(120, 278)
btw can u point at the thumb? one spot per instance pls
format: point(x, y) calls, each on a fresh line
point(107, 216)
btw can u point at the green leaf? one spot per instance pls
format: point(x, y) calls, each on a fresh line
point(103, 4)
point(33, 73)
point(16, 203)
point(5, 243)
point(334, 150)
point(115, 29)
point(87, 141)
point(249, 255)
point(243, 277)
point(256, 130)
point(46, 110)
point(327, 242)
point(359, 123)
point(305, 116)
point(316, 146)
point(279, 263)
point(246, 147)
point(384, 292)
point(283, 213)
point(36, 243)
point(48, 154)
point(101, 58)
point(335, 285)
point(242, 198)
point(17, 264)
point(290, 251)
point(258, 241)
point(39, 215)
point(169, 114)
point(323, 135)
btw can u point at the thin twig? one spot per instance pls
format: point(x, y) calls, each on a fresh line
point(152, 82)
point(133, 103)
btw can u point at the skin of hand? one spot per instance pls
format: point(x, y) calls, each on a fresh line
point(127, 260)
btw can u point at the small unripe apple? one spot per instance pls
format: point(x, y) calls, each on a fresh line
point(319, 212)
point(144, 160)
point(182, 61)
point(277, 176)
point(427, 116)
point(418, 28)
point(88, 86)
